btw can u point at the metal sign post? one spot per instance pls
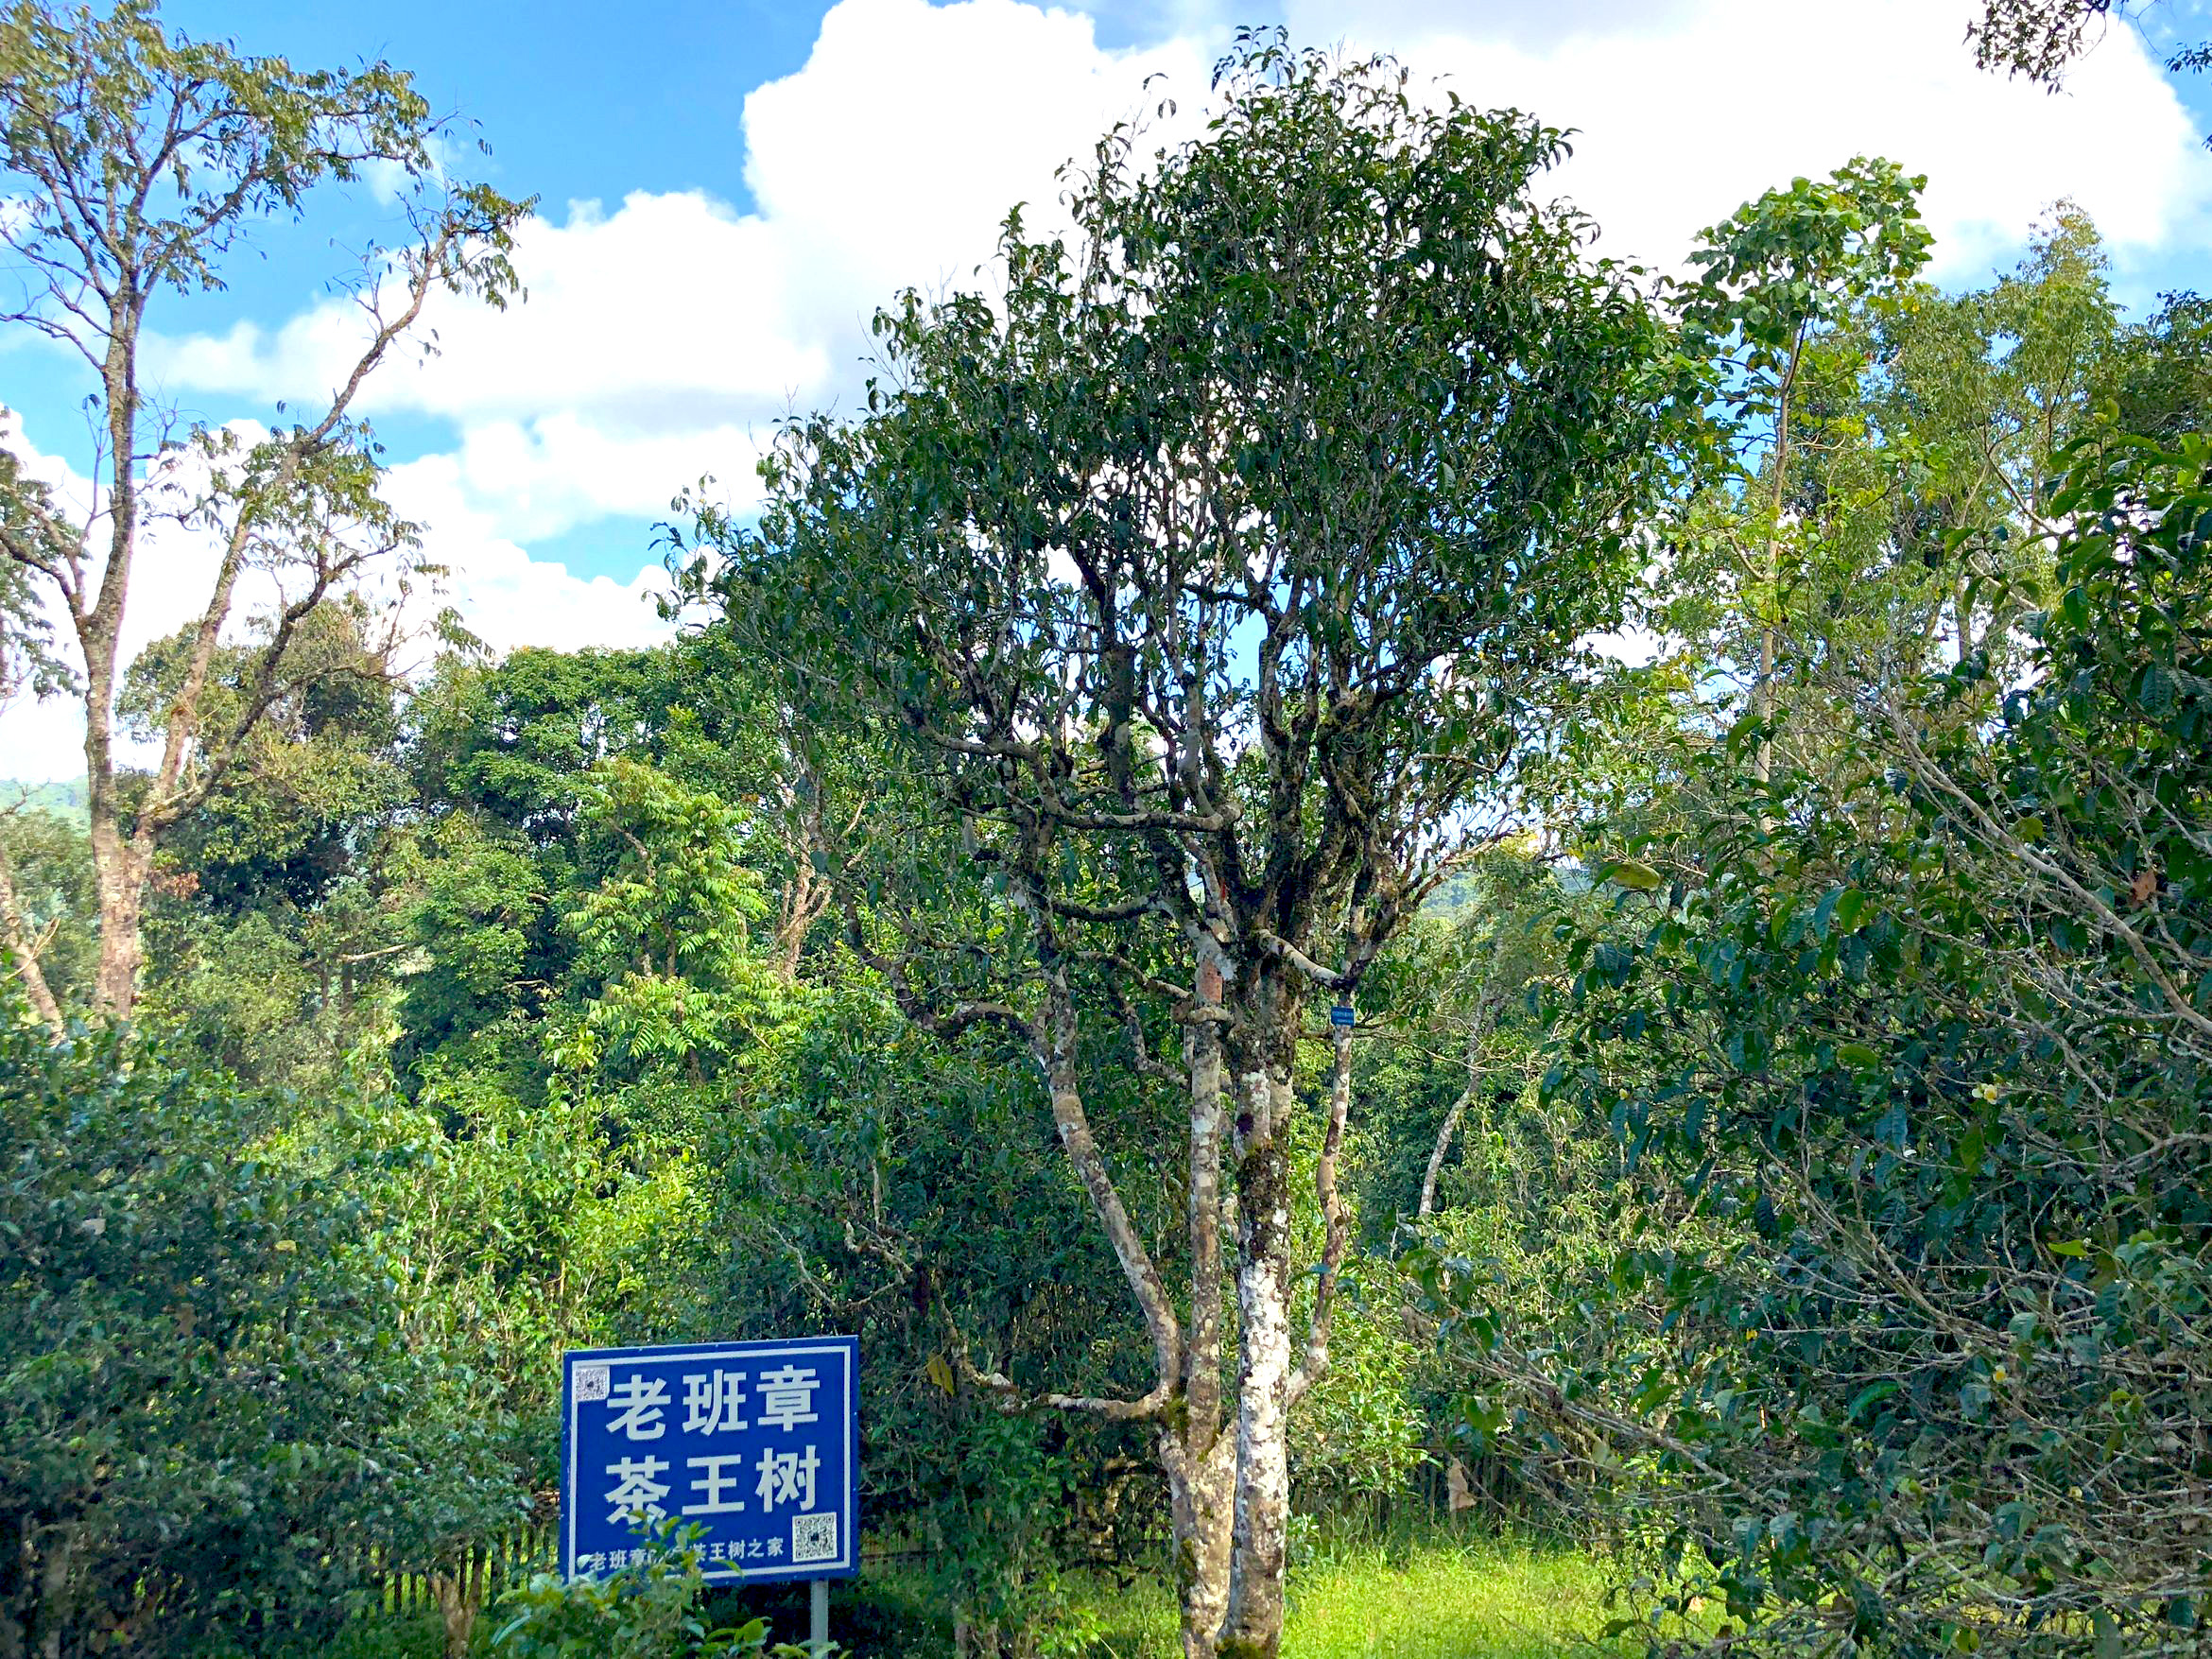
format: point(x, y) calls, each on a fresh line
point(757, 1444)
point(818, 1618)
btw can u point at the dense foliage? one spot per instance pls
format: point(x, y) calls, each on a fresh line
point(209, 1413)
point(1213, 581)
point(1908, 1057)
point(1737, 746)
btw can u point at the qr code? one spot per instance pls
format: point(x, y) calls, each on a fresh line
point(813, 1537)
point(591, 1383)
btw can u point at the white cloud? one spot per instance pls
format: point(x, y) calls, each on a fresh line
point(1686, 109)
point(669, 312)
point(510, 599)
point(506, 597)
point(540, 478)
point(665, 337)
point(504, 474)
point(662, 339)
point(891, 157)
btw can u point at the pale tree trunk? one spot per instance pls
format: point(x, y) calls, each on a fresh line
point(1201, 1505)
point(1444, 1142)
point(25, 949)
point(1253, 1626)
point(1230, 1490)
point(1275, 1371)
point(120, 885)
point(54, 1602)
point(1200, 1460)
point(120, 871)
point(461, 1598)
point(802, 906)
point(1196, 1454)
point(1476, 1031)
point(806, 838)
point(121, 865)
point(1336, 1230)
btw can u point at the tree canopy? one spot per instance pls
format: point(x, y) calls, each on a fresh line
point(1336, 869)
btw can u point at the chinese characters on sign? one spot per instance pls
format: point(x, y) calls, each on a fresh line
point(755, 1443)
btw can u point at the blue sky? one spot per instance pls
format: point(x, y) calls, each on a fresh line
point(726, 191)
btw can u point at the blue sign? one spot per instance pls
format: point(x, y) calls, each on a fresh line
point(755, 1443)
point(1340, 1014)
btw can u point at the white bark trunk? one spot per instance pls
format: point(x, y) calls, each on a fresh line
point(1252, 1628)
point(1477, 1029)
point(1199, 1458)
point(1202, 1495)
point(1444, 1144)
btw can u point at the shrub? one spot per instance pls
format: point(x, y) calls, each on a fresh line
point(208, 1413)
point(649, 1611)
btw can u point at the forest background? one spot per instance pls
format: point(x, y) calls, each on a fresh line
point(1773, 1149)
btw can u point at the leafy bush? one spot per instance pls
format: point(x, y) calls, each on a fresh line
point(207, 1412)
point(1927, 1055)
point(648, 1611)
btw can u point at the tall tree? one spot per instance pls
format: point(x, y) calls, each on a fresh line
point(1218, 576)
point(272, 925)
point(1892, 1066)
point(1784, 281)
point(137, 162)
point(1920, 1088)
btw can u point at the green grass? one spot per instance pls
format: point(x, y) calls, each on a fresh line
point(1490, 1600)
point(1429, 1594)
point(1433, 1596)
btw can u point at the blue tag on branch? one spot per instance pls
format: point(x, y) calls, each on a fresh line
point(1340, 1014)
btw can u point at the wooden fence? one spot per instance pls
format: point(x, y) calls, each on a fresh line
point(483, 1574)
point(490, 1569)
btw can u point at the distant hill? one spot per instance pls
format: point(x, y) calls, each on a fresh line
point(1456, 894)
point(61, 800)
point(1465, 888)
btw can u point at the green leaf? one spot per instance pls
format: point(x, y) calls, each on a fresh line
point(1869, 1395)
point(1638, 878)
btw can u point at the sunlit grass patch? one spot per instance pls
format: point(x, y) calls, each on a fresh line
point(1430, 1596)
point(1486, 1598)
point(1430, 1593)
